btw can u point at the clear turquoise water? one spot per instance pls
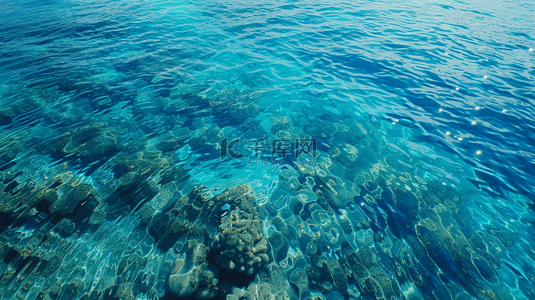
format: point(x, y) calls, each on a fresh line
point(111, 111)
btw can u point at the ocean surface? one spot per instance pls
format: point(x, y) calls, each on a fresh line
point(267, 149)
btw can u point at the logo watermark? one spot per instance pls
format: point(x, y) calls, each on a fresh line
point(278, 150)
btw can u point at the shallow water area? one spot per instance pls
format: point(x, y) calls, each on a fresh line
point(260, 150)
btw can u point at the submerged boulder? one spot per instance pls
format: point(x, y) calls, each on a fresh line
point(241, 243)
point(191, 276)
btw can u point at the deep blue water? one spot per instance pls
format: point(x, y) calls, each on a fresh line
point(153, 149)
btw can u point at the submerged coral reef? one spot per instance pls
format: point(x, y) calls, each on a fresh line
point(358, 219)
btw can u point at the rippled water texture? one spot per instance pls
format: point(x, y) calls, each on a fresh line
point(162, 150)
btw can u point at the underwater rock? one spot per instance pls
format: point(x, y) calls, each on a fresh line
point(143, 165)
point(61, 193)
point(279, 246)
point(125, 290)
point(16, 108)
point(322, 128)
point(71, 195)
point(208, 137)
point(382, 284)
point(176, 139)
point(141, 176)
point(411, 292)
point(241, 243)
point(235, 109)
point(263, 291)
point(299, 278)
point(338, 275)
point(280, 123)
point(97, 217)
point(90, 140)
point(186, 90)
point(184, 216)
point(190, 275)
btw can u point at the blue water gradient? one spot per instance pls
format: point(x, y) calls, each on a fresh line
point(423, 113)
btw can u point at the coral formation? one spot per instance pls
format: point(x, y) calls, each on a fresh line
point(241, 242)
point(190, 275)
point(121, 193)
